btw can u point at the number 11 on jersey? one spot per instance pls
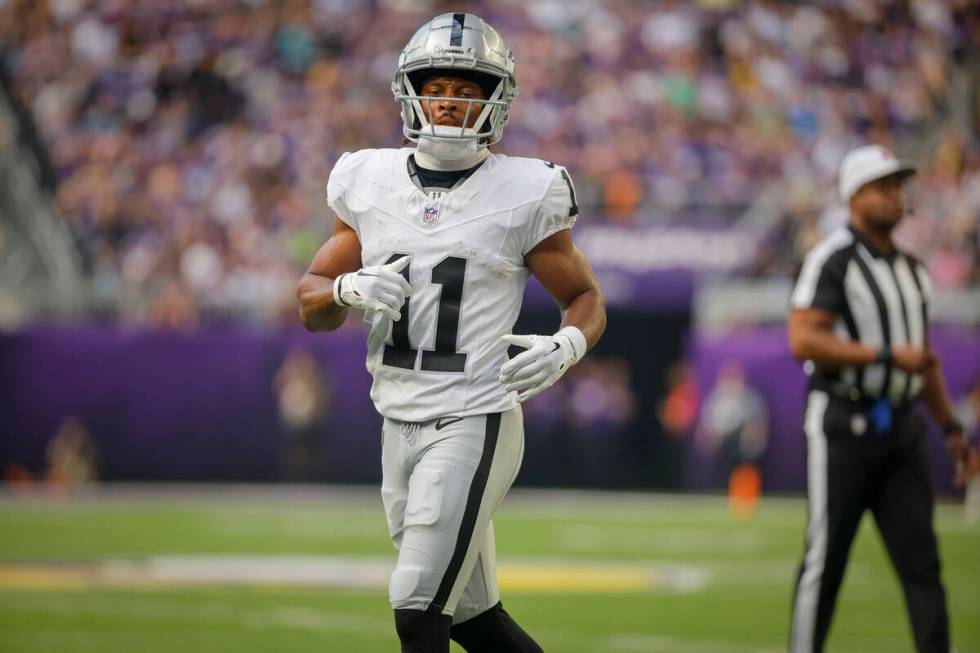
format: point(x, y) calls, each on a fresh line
point(448, 273)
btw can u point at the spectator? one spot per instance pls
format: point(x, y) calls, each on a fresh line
point(192, 139)
point(303, 397)
point(734, 423)
point(71, 457)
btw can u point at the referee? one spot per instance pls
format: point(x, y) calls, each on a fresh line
point(859, 318)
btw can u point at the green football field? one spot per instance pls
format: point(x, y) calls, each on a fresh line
point(304, 569)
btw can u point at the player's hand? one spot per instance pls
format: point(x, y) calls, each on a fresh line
point(913, 359)
point(379, 288)
point(544, 362)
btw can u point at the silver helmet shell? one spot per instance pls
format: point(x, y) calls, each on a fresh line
point(467, 44)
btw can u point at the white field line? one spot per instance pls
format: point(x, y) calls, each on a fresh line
point(350, 572)
point(516, 574)
point(306, 571)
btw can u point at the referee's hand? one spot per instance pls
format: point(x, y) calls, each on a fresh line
point(913, 360)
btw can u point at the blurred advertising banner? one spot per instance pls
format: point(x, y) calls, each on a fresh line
point(649, 249)
point(654, 268)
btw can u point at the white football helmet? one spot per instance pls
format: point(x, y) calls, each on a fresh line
point(461, 45)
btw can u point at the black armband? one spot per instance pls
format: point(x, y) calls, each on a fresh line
point(884, 355)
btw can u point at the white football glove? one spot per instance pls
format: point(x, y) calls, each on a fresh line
point(379, 288)
point(546, 359)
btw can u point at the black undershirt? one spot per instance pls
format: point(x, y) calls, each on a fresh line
point(438, 178)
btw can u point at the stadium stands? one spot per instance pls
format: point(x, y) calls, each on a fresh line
point(192, 140)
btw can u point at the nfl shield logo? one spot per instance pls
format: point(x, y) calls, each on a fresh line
point(431, 215)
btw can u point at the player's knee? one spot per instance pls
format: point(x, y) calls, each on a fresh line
point(402, 586)
point(422, 632)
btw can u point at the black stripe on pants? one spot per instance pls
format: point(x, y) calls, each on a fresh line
point(888, 474)
point(470, 513)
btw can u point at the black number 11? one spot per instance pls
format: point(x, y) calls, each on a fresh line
point(449, 273)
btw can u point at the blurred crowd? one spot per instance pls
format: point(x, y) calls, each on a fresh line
point(192, 138)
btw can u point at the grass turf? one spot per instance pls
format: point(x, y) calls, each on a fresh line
point(743, 608)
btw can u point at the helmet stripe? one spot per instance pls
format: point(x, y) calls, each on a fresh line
point(456, 38)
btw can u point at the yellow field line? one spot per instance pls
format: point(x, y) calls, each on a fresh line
point(525, 577)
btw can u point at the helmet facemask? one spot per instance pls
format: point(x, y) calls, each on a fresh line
point(456, 45)
point(446, 141)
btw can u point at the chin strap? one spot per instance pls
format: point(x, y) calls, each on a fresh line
point(449, 150)
point(429, 161)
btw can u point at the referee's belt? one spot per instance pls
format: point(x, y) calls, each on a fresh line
point(862, 401)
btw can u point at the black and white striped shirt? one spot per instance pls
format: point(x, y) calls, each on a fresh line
point(880, 300)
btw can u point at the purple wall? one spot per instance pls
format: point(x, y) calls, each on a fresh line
point(167, 405)
point(770, 369)
point(203, 405)
point(163, 405)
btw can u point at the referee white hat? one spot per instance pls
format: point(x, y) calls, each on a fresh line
point(866, 164)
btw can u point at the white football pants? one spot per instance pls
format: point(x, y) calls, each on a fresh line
point(442, 482)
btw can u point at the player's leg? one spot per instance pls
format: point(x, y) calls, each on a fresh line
point(480, 623)
point(494, 631)
point(462, 472)
point(836, 496)
point(481, 592)
point(903, 509)
point(419, 632)
point(422, 632)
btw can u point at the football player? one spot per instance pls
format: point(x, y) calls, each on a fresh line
point(435, 244)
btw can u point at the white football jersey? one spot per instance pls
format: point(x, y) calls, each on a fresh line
point(467, 273)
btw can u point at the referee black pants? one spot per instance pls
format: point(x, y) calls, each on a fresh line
point(851, 468)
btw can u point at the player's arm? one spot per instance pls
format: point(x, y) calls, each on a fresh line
point(568, 277)
point(336, 281)
point(318, 310)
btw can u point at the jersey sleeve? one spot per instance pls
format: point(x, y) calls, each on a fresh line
point(336, 192)
point(820, 284)
point(556, 211)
